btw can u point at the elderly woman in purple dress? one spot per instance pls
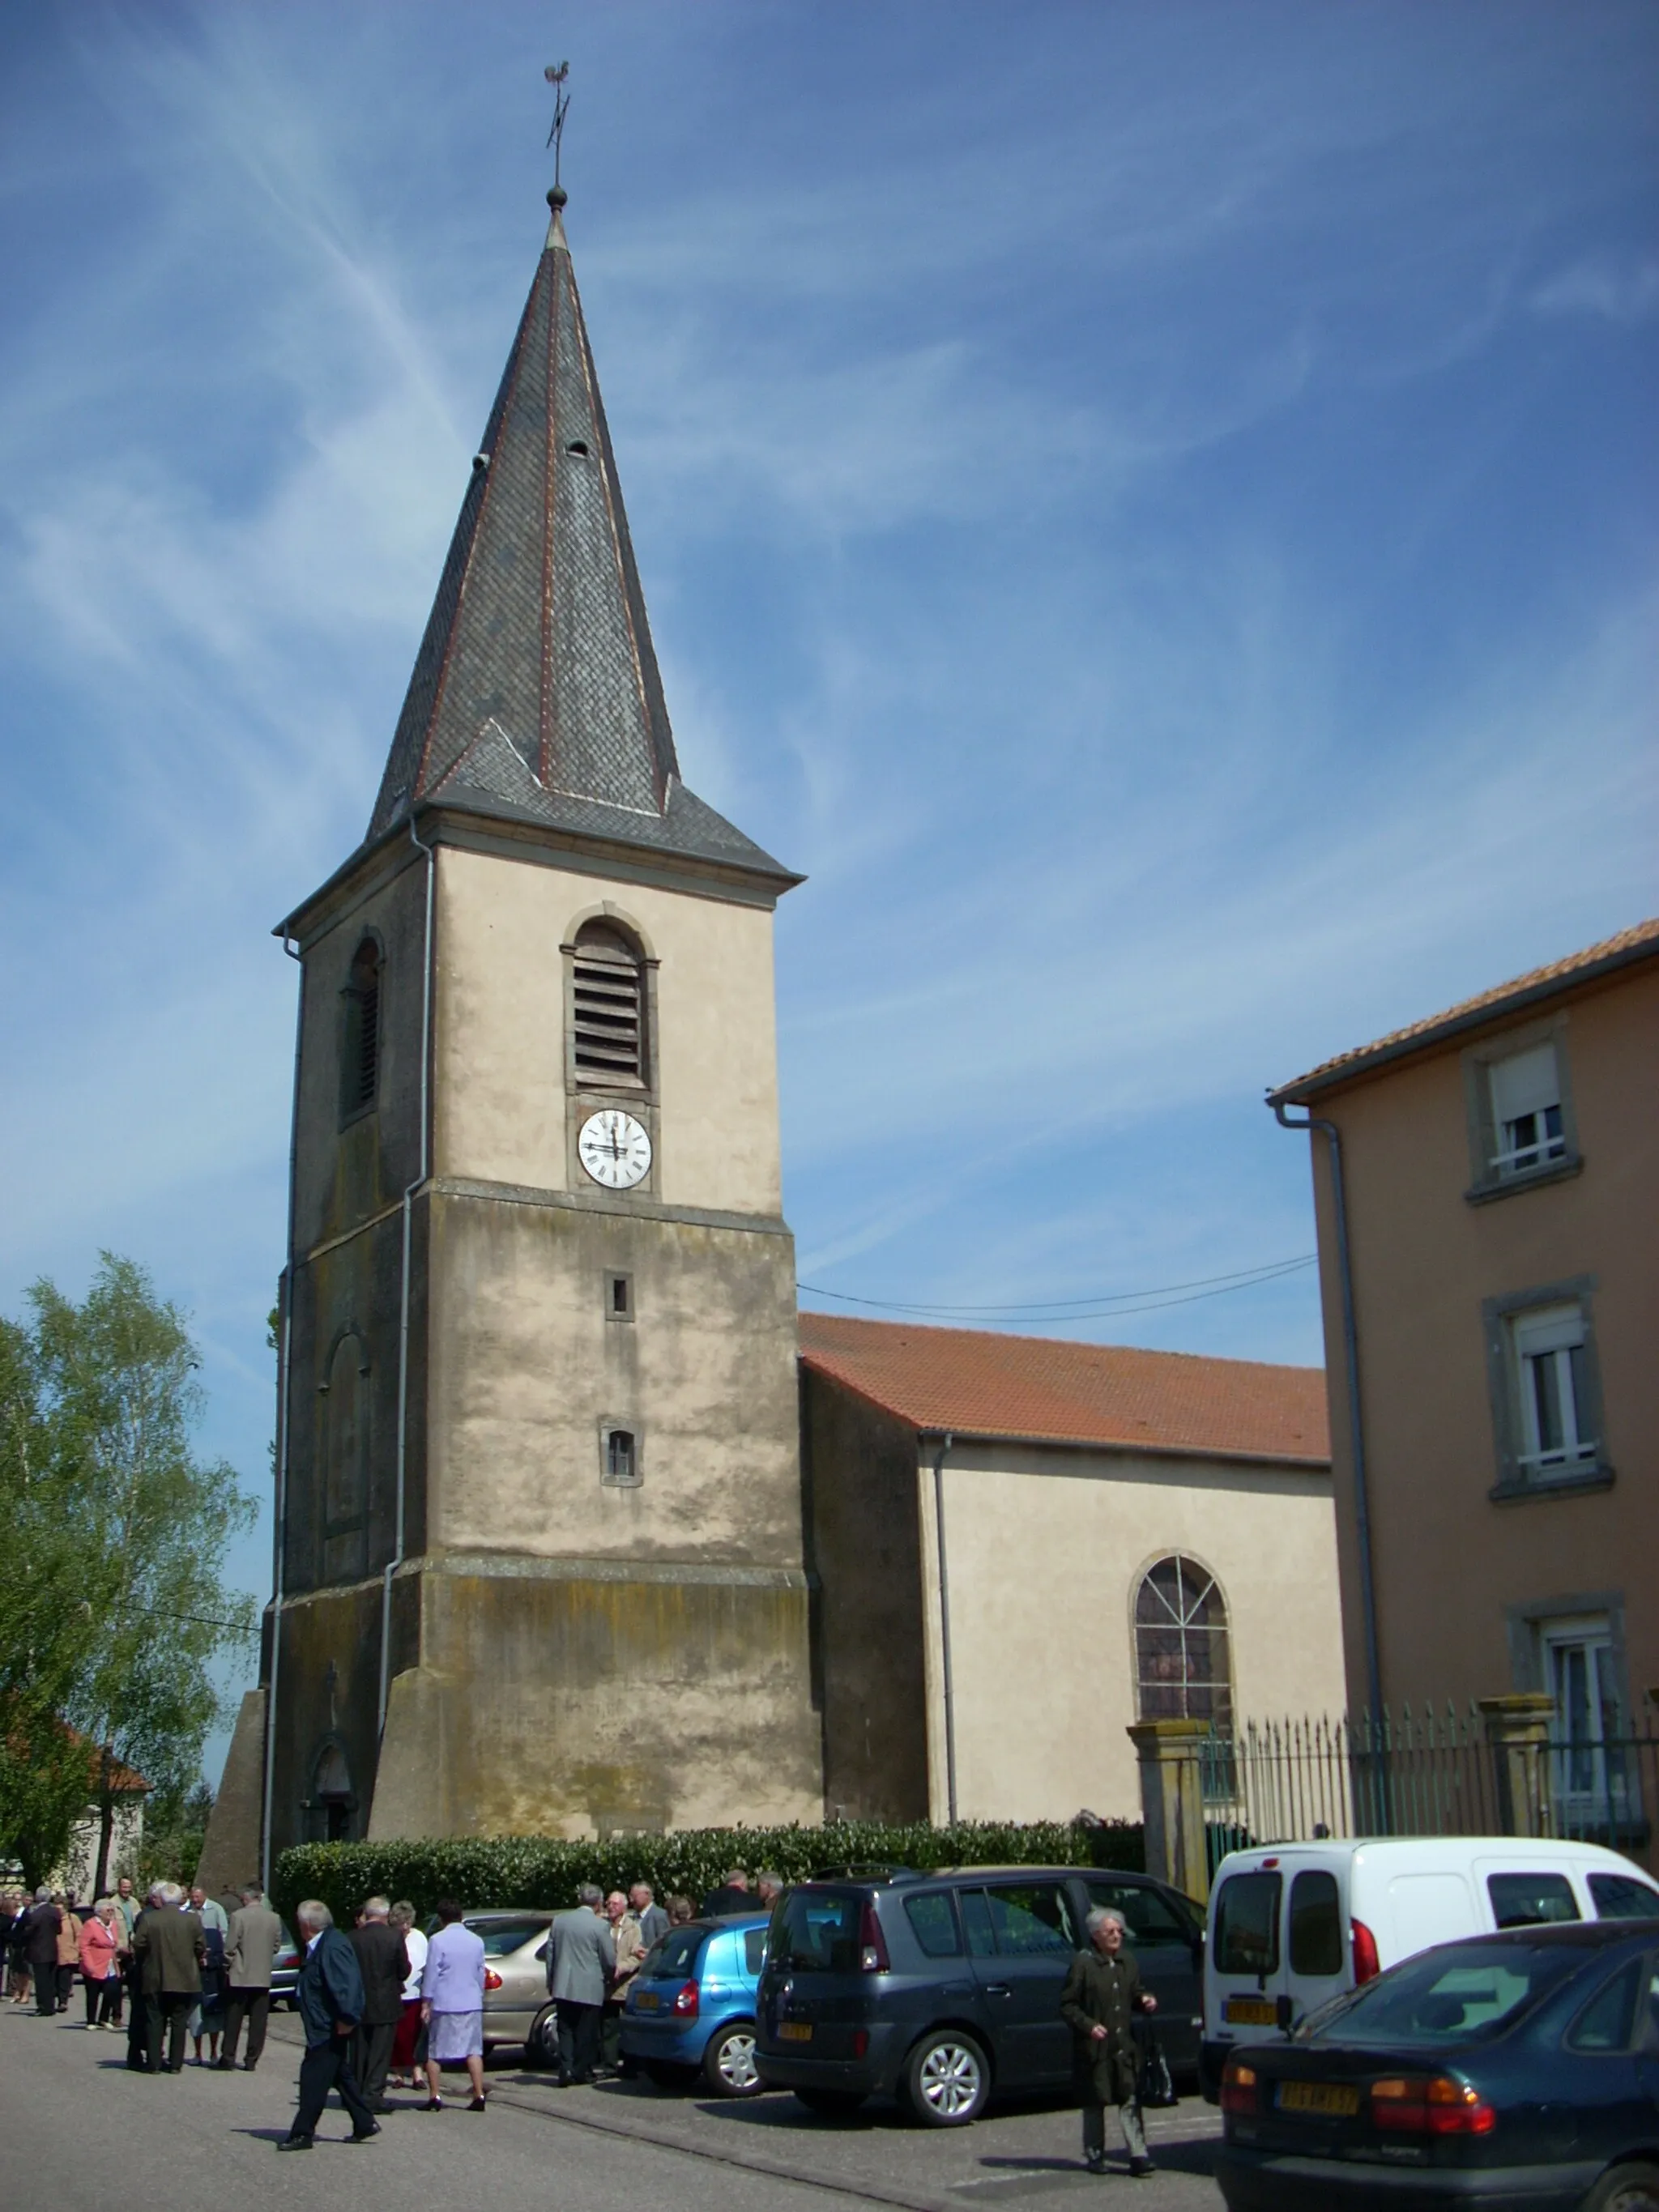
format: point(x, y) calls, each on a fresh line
point(452, 2005)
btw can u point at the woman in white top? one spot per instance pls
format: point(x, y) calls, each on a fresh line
point(405, 2053)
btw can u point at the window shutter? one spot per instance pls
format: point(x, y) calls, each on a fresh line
point(1526, 1083)
point(608, 1005)
point(1549, 1328)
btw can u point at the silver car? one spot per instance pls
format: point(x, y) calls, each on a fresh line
point(515, 1971)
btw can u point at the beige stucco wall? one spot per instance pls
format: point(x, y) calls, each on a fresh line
point(1449, 1561)
point(1045, 1550)
point(500, 1054)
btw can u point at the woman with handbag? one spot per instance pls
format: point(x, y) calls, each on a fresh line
point(1101, 1995)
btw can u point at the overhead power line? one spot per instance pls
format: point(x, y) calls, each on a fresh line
point(1099, 1305)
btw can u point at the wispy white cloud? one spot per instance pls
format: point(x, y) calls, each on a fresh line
point(1622, 290)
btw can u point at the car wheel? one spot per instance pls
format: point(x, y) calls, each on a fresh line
point(728, 2065)
point(946, 2080)
point(831, 2104)
point(1626, 2188)
point(541, 2046)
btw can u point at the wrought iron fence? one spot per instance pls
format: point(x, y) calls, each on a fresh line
point(1423, 1773)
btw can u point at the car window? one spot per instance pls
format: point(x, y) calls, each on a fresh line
point(677, 1953)
point(1151, 1917)
point(817, 1931)
point(754, 1949)
point(1316, 1924)
point(1608, 2020)
point(1621, 1897)
point(1247, 1924)
point(1031, 1917)
point(1453, 1993)
point(500, 1937)
point(1531, 1900)
point(933, 1924)
point(977, 1919)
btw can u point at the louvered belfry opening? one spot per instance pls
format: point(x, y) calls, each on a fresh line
point(609, 1009)
point(360, 1056)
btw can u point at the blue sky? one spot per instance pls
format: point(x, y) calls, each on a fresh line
point(1151, 506)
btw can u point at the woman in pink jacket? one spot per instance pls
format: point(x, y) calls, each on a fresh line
point(101, 1941)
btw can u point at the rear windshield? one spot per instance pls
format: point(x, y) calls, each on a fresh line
point(1453, 1993)
point(815, 1931)
point(500, 1936)
point(1621, 1897)
point(1531, 1900)
point(1247, 1924)
point(1316, 1924)
point(677, 1953)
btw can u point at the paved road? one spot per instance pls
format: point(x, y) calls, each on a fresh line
point(78, 2133)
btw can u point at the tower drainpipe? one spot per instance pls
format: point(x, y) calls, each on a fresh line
point(279, 1503)
point(1361, 1510)
point(422, 1169)
point(944, 1443)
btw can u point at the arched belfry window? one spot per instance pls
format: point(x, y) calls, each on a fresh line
point(345, 1442)
point(359, 1032)
point(1183, 1665)
point(608, 1010)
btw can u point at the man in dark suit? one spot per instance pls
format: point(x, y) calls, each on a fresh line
point(43, 1923)
point(168, 1947)
point(734, 1895)
point(383, 1962)
point(329, 1997)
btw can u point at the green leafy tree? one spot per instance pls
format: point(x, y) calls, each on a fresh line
point(175, 1829)
point(113, 1393)
point(46, 1625)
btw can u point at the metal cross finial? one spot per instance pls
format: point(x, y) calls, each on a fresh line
point(556, 78)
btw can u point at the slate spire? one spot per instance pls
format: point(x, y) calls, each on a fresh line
point(536, 693)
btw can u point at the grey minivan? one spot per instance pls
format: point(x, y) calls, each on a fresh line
point(943, 1989)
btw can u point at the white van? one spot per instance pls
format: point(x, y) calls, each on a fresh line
point(1295, 1924)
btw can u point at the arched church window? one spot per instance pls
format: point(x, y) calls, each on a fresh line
point(345, 1462)
point(360, 1037)
point(609, 1009)
point(621, 1456)
point(1184, 1664)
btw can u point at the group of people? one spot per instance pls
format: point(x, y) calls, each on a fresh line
point(172, 1967)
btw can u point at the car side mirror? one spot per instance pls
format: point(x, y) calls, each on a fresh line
point(1284, 2012)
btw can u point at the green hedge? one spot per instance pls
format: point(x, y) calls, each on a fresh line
point(533, 1870)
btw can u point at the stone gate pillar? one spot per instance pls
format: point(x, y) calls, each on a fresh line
point(1517, 1730)
point(1172, 1803)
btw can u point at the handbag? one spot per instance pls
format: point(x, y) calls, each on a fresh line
point(1154, 2089)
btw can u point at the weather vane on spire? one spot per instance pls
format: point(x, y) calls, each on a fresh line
point(556, 78)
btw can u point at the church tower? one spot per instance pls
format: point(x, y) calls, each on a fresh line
point(539, 1504)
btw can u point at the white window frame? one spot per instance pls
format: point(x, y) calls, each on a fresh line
point(1533, 1075)
point(1545, 1339)
point(1581, 1674)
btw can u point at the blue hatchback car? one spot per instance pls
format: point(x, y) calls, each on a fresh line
point(690, 2009)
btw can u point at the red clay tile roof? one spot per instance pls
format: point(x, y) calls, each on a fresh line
point(1640, 943)
point(980, 1383)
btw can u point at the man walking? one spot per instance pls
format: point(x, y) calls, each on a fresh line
point(169, 1947)
point(330, 1996)
point(1102, 1995)
point(44, 1924)
point(582, 1963)
point(252, 1941)
point(383, 1962)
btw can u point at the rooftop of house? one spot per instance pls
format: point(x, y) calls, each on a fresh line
point(980, 1383)
point(1629, 946)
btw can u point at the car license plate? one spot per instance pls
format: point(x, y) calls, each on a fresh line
point(1251, 2012)
point(645, 2001)
point(1333, 2097)
point(795, 2031)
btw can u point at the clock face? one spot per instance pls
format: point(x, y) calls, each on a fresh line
point(615, 1149)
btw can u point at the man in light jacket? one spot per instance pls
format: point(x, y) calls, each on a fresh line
point(252, 1942)
point(654, 1921)
point(581, 1964)
point(330, 1995)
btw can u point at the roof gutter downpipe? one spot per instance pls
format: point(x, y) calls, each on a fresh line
point(944, 1443)
point(1362, 1509)
point(423, 1172)
point(279, 1503)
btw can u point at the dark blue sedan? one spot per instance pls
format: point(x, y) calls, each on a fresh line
point(1518, 2071)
